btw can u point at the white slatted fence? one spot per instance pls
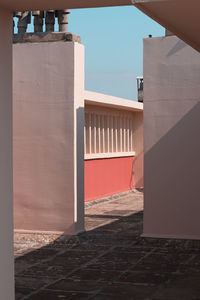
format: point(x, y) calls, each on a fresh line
point(108, 133)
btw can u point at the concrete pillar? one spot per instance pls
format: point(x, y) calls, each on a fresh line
point(6, 191)
point(139, 149)
point(48, 136)
point(171, 139)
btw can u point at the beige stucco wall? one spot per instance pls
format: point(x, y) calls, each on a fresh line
point(48, 98)
point(139, 149)
point(171, 138)
point(6, 206)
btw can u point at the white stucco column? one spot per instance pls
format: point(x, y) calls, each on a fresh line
point(6, 192)
point(48, 131)
point(171, 143)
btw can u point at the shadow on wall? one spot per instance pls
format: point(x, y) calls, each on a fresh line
point(138, 172)
point(172, 180)
point(131, 183)
point(179, 46)
point(79, 202)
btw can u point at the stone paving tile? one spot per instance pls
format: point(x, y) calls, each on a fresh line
point(110, 297)
point(47, 270)
point(96, 223)
point(21, 265)
point(95, 274)
point(181, 287)
point(58, 295)
point(109, 261)
point(133, 248)
point(32, 282)
point(129, 291)
point(22, 292)
point(74, 258)
point(101, 239)
point(92, 247)
point(76, 285)
point(168, 262)
point(145, 278)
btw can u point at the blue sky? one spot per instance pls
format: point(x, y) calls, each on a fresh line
point(113, 47)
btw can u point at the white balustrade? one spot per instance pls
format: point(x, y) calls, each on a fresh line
point(108, 134)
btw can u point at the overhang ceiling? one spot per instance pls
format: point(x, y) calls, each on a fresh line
point(182, 17)
point(21, 5)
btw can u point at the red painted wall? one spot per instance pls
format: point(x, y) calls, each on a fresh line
point(109, 176)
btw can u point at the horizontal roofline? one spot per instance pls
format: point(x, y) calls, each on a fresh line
point(112, 101)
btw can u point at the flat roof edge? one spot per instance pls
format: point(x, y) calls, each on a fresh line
point(111, 101)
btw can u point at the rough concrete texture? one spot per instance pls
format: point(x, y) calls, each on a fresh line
point(109, 261)
point(46, 37)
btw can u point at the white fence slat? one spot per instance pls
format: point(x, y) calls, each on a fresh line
point(95, 134)
point(108, 133)
point(124, 148)
point(112, 141)
point(127, 144)
point(103, 133)
point(90, 134)
point(121, 135)
point(99, 134)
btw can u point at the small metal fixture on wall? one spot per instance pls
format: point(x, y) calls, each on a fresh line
point(46, 17)
point(140, 89)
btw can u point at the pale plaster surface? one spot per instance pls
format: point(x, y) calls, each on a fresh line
point(48, 98)
point(138, 167)
point(79, 86)
point(6, 171)
point(171, 143)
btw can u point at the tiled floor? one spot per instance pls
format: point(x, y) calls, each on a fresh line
point(109, 261)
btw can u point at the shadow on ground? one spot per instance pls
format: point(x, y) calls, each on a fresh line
point(110, 262)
